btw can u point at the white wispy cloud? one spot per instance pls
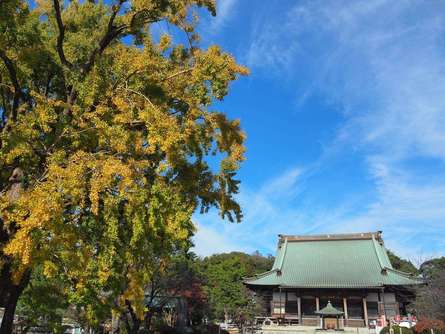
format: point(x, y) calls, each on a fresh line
point(383, 61)
point(209, 241)
point(267, 213)
point(410, 213)
point(274, 207)
point(224, 12)
point(283, 185)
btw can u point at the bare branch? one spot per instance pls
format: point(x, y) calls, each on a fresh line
point(61, 35)
point(177, 73)
point(142, 95)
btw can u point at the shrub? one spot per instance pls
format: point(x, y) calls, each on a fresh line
point(424, 326)
point(404, 330)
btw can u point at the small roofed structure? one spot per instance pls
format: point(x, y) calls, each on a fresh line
point(352, 271)
point(329, 316)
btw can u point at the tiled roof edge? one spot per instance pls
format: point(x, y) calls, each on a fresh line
point(406, 275)
point(257, 276)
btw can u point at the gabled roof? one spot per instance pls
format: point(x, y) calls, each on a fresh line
point(329, 310)
point(332, 261)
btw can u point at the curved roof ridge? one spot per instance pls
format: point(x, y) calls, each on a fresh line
point(333, 236)
point(382, 266)
point(280, 267)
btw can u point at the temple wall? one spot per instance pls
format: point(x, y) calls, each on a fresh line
point(390, 304)
point(360, 306)
point(277, 298)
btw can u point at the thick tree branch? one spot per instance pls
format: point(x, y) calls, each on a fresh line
point(11, 70)
point(3, 106)
point(111, 33)
point(13, 77)
point(48, 83)
point(61, 36)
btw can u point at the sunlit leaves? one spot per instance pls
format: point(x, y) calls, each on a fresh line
point(114, 142)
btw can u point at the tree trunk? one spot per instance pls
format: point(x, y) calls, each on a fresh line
point(147, 322)
point(132, 321)
point(115, 324)
point(12, 296)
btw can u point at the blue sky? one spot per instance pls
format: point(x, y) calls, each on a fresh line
point(344, 112)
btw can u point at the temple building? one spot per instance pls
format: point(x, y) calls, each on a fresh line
point(350, 273)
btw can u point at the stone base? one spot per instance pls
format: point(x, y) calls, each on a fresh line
point(309, 330)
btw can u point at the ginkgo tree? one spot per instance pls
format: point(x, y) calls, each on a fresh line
point(106, 133)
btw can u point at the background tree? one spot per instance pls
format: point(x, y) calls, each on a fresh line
point(106, 131)
point(430, 298)
point(402, 264)
point(228, 298)
point(433, 267)
point(170, 283)
point(43, 304)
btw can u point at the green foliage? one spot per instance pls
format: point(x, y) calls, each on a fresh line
point(43, 304)
point(432, 267)
point(227, 295)
point(402, 264)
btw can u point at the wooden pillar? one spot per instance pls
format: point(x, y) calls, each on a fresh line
point(345, 309)
point(300, 320)
point(317, 307)
point(365, 312)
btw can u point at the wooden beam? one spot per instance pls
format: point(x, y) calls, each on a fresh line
point(365, 312)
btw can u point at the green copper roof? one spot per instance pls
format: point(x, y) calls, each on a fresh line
point(329, 310)
point(332, 261)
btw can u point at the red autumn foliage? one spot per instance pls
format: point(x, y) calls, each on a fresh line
point(425, 325)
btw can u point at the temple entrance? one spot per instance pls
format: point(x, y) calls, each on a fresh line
point(330, 317)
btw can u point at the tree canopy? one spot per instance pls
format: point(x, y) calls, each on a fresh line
point(224, 273)
point(106, 129)
point(402, 264)
point(430, 298)
point(432, 267)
